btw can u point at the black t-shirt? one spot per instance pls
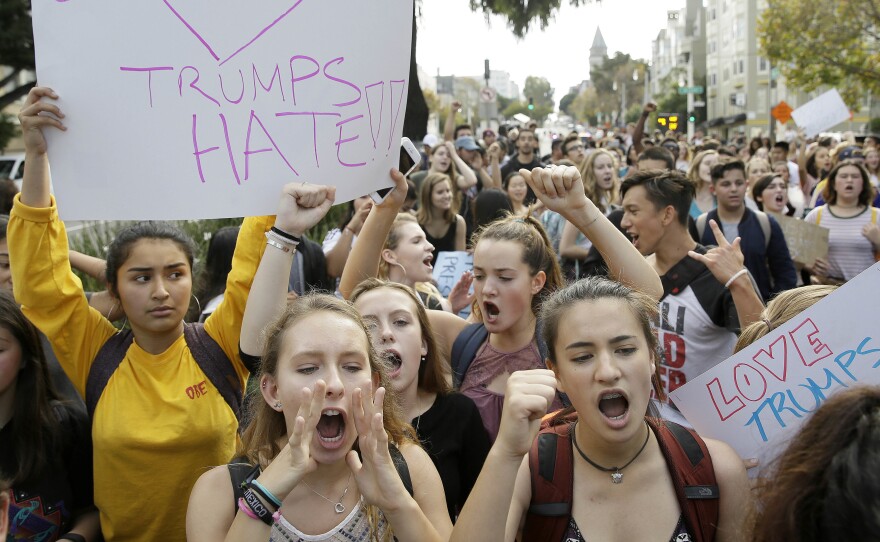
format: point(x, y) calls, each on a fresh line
point(43, 508)
point(452, 433)
point(515, 165)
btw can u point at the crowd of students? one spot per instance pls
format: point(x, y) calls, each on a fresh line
point(604, 276)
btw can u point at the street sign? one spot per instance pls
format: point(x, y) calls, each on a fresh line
point(690, 90)
point(488, 94)
point(782, 112)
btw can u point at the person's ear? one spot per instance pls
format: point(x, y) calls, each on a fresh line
point(553, 367)
point(389, 256)
point(538, 282)
point(668, 215)
point(424, 350)
point(712, 188)
point(269, 389)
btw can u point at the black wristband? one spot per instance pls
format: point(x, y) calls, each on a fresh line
point(286, 235)
point(252, 501)
point(73, 537)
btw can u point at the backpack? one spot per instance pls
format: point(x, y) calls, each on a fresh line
point(241, 473)
point(551, 464)
point(763, 220)
point(469, 341)
point(211, 359)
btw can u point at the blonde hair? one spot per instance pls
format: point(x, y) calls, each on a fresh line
point(693, 173)
point(591, 187)
point(780, 310)
point(259, 442)
point(392, 241)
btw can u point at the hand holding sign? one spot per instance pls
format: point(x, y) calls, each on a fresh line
point(37, 113)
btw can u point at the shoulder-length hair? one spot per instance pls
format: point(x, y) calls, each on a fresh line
point(426, 211)
point(259, 442)
point(434, 370)
point(866, 196)
point(35, 426)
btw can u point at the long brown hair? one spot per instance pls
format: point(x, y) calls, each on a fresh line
point(538, 253)
point(434, 370)
point(591, 186)
point(824, 486)
point(259, 442)
point(35, 425)
point(426, 210)
point(866, 196)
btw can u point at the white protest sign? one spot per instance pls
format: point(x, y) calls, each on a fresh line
point(822, 113)
point(205, 108)
point(757, 399)
point(448, 268)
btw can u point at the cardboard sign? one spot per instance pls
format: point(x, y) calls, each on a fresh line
point(758, 398)
point(822, 113)
point(448, 268)
point(806, 241)
point(204, 109)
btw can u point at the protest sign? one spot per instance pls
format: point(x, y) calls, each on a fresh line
point(448, 267)
point(205, 109)
point(805, 241)
point(822, 113)
point(758, 398)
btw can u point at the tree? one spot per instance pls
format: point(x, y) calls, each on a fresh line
point(521, 14)
point(824, 43)
point(565, 103)
point(539, 89)
point(585, 108)
point(671, 101)
point(16, 48)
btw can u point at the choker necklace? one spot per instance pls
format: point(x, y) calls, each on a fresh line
point(616, 475)
point(337, 505)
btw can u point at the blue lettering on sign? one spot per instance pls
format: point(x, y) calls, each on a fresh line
point(783, 404)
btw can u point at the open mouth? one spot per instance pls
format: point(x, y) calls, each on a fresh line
point(613, 405)
point(490, 311)
point(331, 427)
point(427, 261)
point(394, 361)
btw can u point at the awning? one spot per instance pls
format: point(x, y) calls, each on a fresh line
point(734, 119)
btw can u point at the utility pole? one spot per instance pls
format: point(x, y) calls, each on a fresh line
point(770, 120)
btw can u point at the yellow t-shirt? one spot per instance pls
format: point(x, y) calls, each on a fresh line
point(159, 423)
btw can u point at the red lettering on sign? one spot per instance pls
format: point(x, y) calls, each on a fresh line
point(724, 407)
point(808, 344)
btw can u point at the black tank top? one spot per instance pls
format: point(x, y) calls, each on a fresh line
point(445, 243)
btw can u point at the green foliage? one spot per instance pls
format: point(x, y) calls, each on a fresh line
point(16, 48)
point(566, 102)
point(824, 43)
point(874, 126)
point(522, 14)
point(539, 89)
point(8, 129)
point(671, 101)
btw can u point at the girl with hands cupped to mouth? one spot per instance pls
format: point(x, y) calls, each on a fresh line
point(322, 450)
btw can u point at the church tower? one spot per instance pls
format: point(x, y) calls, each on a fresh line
point(598, 51)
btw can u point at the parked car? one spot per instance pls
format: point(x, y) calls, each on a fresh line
point(12, 167)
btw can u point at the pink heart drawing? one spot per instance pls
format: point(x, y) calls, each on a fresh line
point(256, 30)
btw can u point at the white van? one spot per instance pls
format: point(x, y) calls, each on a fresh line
point(12, 167)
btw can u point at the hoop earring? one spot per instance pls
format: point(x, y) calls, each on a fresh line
point(112, 308)
point(402, 268)
point(199, 305)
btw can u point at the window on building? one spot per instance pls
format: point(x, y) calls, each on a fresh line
point(762, 64)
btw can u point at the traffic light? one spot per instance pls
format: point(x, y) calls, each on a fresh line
point(531, 104)
point(692, 117)
point(670, 121)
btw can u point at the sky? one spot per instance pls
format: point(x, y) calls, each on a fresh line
point(456, 40)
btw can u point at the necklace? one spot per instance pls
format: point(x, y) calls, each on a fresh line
point(616, 475)
point(337, 505)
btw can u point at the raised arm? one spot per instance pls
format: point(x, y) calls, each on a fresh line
point(562, 190)
point(449, 125)
point(38, 113)
point(337, 256)
point(301, 206)
point(639, 130)
point(363, 261)
point(495, 507)
point(467, 178)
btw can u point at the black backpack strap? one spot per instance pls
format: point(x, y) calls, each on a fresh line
point(402, 468)
point(212, 360)
point(464, 350)
point(106, 362)
point(240, 473)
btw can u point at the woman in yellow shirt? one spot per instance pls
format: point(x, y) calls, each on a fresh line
point(158, 419)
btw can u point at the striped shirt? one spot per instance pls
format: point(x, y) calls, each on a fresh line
point(849, 252)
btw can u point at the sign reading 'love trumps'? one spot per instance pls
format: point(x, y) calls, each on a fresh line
point(205, 108)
